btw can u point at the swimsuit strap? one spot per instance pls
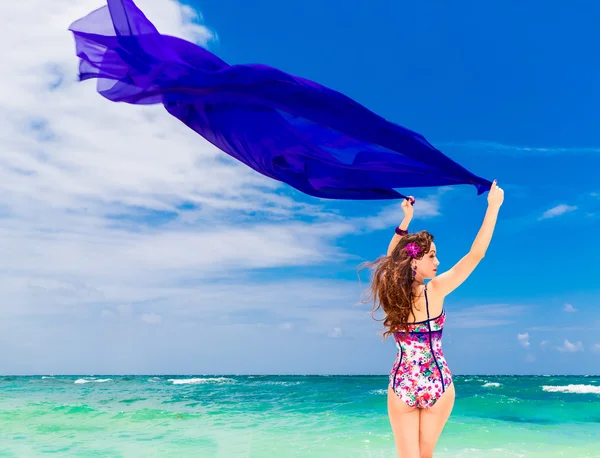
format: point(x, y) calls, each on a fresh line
point(431, 342)
point(426, 301)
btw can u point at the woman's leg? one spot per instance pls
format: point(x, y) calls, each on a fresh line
point(405, 426)
point(433, 420)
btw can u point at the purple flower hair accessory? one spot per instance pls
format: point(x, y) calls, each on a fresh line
point(413, 249)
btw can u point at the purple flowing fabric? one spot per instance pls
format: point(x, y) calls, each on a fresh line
point(288, 128)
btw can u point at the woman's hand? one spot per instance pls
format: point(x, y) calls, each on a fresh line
point(407, 207)
point(495, 196)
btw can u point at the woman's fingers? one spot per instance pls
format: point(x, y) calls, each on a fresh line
point(494, 186)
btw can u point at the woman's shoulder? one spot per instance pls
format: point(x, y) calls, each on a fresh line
point(432, 291)
point(434, 297)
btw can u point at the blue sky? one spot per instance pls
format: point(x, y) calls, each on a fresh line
point(132, 246)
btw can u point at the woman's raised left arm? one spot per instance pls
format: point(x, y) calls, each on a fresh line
point(402, 230)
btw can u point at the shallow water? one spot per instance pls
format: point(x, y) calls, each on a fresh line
point(287, 416)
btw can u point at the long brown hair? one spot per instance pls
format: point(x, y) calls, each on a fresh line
point(392, 283)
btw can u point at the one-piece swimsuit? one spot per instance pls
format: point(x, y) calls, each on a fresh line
point(420, 374)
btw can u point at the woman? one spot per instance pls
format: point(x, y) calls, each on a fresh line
point(420, 391)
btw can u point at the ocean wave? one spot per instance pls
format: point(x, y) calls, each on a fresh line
point(491, 384)
point(94, 380)
point(577, 389)
point(200, 381)
point(282, 383)
point(378, 392)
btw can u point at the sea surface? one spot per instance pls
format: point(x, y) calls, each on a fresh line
point(286, 416)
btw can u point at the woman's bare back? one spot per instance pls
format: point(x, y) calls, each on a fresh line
point(436, 304)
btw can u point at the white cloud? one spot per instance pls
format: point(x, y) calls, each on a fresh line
point(557, 211)
point(125, 309)
point(92, 191)
point(151, 318)
point(519, 151)
point(336, 332)
point(523, 340)
point(193, 316)
point(561, 328)
point(596, 347)
point(483, 316)
point(569, 308)
point(115, 211)
point(391, 216)
point(570, 347)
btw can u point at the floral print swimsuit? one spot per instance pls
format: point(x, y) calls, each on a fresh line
point(420, 374)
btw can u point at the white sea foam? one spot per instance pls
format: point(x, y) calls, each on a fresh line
point(80, 381)
point(282, 383)
point(577, 389)
point(499, 452)
point(200, 381)
point(47, 376)
point(378, 392)
point(491, 384)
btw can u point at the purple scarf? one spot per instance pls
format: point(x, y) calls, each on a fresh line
point(288, 128)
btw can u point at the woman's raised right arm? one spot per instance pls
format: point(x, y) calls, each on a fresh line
point(447, 282)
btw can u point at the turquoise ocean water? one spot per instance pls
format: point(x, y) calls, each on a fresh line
point(287, 416)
